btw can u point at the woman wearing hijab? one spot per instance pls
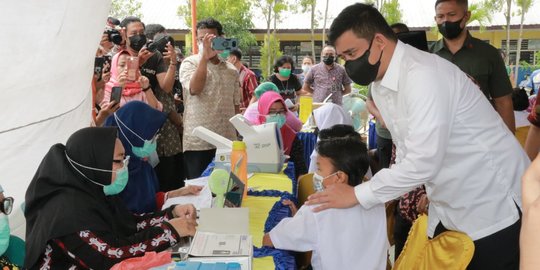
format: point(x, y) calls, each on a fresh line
point(326, 117)
point(75, 221)
point(252, 113)
point(137, 90)
point(138, 126)
point(272, 108)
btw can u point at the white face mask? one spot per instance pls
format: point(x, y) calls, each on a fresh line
point(306, 68)
point(200, 45)
point(318, 181)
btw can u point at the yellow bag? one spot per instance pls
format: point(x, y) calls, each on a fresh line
point(449, 250)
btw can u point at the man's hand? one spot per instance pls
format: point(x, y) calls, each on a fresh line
point(144, 55)
point(184, 226)
point(207, 52)
point(170, 55)
point(335, 196)
point(185, 210)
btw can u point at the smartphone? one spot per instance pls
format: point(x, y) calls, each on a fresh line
point(132, 68)
point(223, 44)
point(116, 94)
point(98, 67)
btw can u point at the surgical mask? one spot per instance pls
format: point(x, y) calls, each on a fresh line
point(120, 182)
point(224, 54)
point(149, 146)
point(450, 30)
point(328, 60)
point(360, 70)
point(318, 181)
point(306, 68)
point(4, 233)
point(201, 48)
point(136, 42)
point(279, 119)
point(285, 72)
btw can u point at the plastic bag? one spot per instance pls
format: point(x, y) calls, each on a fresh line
point(149, 260)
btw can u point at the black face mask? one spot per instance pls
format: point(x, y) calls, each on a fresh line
point(360, 70)
point(450, 30)
point(328, 60)
point(137, 42)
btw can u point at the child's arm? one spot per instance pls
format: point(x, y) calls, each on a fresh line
point(297, 233)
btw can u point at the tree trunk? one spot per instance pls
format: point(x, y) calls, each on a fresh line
point(324, 25)
point(508, 16)
point(269, 49)
point(518, 51)
point(313, 29)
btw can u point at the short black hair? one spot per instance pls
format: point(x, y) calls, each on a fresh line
point(210, 23)
point(464, 3)
point(346, 151)
point(282, 60)
point(130, 19)
point(152, 29)
point(237, 52)
point(401, 27)
point(364, 20)
point(520, 99)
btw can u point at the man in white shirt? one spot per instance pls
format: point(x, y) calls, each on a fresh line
point(448, 138)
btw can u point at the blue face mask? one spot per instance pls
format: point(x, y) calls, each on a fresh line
point(4, 233)
point(279, 119)
point(149, 146)
point(120, 182)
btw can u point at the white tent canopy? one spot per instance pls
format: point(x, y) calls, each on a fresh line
point(48, 50)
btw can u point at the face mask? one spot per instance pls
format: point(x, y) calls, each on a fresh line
point(149, 146)
point(285, 72)
point(122, 176)
point(4, 233)
point(224, 54)
point(120, 182)
point(450, 30)
point(200, 45)
point(279, 119)
point(318, 181)
point(328, 60)
point(306, 68)
point(360, 70)
point(137, 42)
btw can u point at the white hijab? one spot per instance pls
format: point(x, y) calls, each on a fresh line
point(325, 117)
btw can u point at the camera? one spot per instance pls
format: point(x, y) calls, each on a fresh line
point(222, 44)
point(114, 36)
point(159, 44)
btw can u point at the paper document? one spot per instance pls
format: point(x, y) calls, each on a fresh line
point(224, 220)
point(207, 244)
point(203, 200)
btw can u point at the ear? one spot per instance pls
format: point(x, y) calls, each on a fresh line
point(380, 41)
point(342, 178)
point(467, 17)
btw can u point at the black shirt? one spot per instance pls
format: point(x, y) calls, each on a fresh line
point(287, 88)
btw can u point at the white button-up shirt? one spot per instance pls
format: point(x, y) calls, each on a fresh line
point(352, 238)
point(449, 138)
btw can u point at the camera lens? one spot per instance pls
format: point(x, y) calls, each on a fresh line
point(225, 44)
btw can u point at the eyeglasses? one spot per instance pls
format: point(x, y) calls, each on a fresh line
point(277, 112)
point(7, 205)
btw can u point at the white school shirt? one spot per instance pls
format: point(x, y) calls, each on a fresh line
point(352, 238)
point(449, 138)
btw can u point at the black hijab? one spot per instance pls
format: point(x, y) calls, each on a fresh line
point(60, 201)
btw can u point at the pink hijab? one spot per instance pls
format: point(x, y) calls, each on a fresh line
point(130, 88)
point(287, 133)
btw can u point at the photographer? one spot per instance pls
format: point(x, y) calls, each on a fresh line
point(160, 70)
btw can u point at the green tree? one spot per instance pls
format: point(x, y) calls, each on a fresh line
point(271, 10)
point(269, 53)
point(233, 15)
point(524, 6)
point(391, 11)
point(123, 8)
point(311, 5)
